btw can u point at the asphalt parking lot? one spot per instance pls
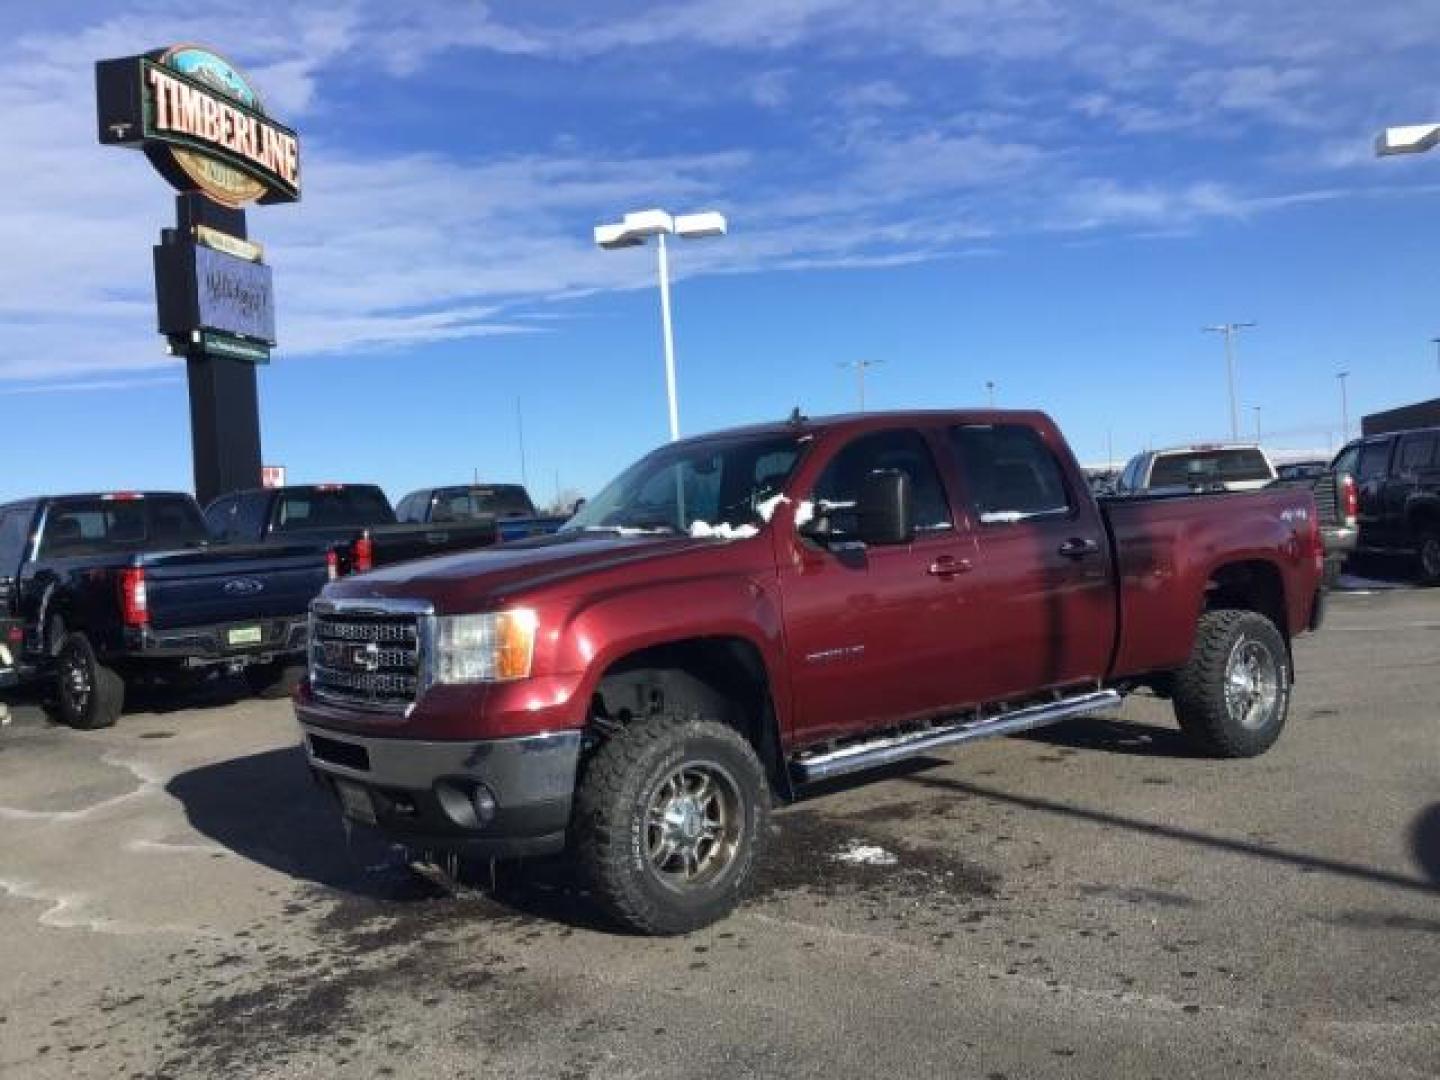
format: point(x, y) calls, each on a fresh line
point(177, 900)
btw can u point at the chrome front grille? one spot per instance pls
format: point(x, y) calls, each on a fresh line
point(370, 655)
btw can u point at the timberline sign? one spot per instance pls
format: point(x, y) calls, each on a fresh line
point(200, 123)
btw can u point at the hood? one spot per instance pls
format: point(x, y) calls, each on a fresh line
point(471, 580)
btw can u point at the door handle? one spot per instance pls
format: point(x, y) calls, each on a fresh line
point(1077, 547)
point(948, 566)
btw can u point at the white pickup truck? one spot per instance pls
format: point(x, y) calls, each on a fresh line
point(1230, 467)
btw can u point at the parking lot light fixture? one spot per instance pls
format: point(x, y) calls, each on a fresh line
point(632, 231)
point(1407, 139)
point(1230, 329)
point(1344, 407)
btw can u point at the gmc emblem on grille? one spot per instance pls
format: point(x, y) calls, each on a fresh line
point(366, 657)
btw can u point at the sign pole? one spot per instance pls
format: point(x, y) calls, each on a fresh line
point(224, 396)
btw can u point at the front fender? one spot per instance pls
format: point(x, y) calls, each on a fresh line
point(609, 628)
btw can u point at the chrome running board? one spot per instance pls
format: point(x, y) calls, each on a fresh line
point(891, 748)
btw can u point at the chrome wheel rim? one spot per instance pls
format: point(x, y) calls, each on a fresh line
point(693, 825)
point(75, 683)
point(1252, 683)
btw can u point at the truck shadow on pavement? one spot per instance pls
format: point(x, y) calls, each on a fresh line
point(1116, 737)
point(266, 808)
point(1425, 836)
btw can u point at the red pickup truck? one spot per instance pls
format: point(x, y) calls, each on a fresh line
point(741, 614)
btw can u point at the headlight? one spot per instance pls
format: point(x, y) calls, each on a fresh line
point(493, 647)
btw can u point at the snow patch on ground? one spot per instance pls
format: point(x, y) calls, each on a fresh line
point(862, 854)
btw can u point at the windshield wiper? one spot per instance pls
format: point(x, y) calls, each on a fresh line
point(631, 530)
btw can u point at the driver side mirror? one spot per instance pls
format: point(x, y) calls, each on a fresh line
point(884, 510)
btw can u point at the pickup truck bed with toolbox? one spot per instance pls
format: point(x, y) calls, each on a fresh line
point(118, 587)
point(354, 521)
point(743, 614)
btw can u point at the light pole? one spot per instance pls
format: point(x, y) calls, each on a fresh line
point(1344, 408)
point(632, 231)
point(1230, 329)
point(990, 391)
point(1436, 342)
point(860, 367)
point(1258, 440)
point(1409, 139)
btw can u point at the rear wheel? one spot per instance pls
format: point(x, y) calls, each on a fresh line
point(1430, 556)
point(1233, 696)
point(669, 822)
point(88, 694)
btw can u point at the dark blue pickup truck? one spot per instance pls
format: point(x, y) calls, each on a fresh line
point(115, 588)
point(508, 505)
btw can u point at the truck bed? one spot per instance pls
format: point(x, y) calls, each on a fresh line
point(1167, 547)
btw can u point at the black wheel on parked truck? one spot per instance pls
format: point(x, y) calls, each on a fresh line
point(1429, 556)
point(1233, 695)
point(88, 694)
point(275, 680)
point(670, 819)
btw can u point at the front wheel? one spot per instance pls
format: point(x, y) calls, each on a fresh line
point(669, 823)
point(1233, 695)
point(88, 694)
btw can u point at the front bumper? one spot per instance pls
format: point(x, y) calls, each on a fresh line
point(220, 643)
point(422, 793)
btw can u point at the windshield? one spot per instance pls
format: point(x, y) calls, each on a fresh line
point(720, 488)
point(95, 526)
point(1210, 467)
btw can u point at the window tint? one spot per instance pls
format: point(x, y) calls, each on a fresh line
point(838, 489)
point(94, 526)
point(331, 507)
point(1374, 457)
point(1009, 471)
point(1235, 465)
point(468, 503)
point(14, 531)
point(1417, 451)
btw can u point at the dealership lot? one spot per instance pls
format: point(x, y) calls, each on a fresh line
point(177, 899)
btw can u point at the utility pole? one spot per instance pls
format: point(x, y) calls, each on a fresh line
point(990, 391)
point(1344, 408)
point(1230, 329)
point(860, 367)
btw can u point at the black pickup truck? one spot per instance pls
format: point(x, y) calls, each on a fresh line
point(111, 589)
point(508, 505)
point(354, 521)
point(1398, 477)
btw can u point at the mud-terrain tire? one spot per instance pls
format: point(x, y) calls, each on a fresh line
point(1233, 695)
point(670, 820)
point(1428, 556)
point(88, 695)
point(273, 681)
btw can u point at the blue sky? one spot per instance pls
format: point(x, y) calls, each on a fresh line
point(1051, 195)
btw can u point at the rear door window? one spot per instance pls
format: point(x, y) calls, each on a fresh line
point(1010, 474)
point(1374, 458)
point(1417, 452)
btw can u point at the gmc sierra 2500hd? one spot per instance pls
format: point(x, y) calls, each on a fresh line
point(744, 613)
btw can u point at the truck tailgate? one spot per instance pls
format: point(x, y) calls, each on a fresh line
point(397, 543)
point(232, 584)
